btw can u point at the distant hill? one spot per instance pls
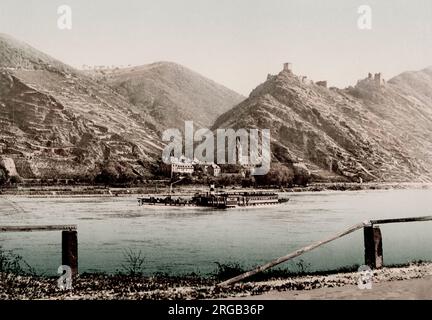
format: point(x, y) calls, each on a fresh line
point(15, 54)
point(172, 93)
point(375, 131)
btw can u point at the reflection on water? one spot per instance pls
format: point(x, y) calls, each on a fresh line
point(184, 240)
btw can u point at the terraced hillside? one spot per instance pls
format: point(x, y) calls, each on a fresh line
point(57, 122)
point(374, 131)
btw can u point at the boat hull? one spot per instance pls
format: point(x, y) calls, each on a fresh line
point(209, 206)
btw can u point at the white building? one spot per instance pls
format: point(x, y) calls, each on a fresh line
point(180, 165)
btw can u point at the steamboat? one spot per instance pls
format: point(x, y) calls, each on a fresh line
point(217, 200)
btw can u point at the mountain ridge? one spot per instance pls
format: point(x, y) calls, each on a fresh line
point(59, 122)
point(366, 131)
point(16, 54)
point(173, 93)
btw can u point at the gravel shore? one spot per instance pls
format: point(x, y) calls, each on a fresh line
point(60, 191)
point(104, 287)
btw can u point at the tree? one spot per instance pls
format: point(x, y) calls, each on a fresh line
point(108, 174)
point(112, 172)
point(248, 182)
point(231, 168)
point(278, 175)
point(15, 179)
point(3, 176)
point(302, 175)
point(229, 180)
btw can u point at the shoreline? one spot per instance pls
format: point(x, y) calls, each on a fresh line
point(93, 286)
point(189, 190)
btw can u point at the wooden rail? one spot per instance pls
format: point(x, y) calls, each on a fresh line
point(38, 228)
point(372, 244)
point(402, 220)
point(69, 240)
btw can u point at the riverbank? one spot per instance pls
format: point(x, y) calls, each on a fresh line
point(189, 190)
point(412, 289)
point(106, 287)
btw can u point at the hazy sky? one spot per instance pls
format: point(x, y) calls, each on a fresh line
point(234, 42)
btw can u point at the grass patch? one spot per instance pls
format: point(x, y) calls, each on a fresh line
point(11, 263)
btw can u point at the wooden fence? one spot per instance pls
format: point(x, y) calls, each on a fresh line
point(371, 231)
point(372, 244)
point(69, 240)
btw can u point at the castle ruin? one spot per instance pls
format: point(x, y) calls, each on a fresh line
point(375, 79)
point(287, 67)
point(322, 83)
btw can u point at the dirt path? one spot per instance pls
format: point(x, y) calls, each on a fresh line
point(414, 289)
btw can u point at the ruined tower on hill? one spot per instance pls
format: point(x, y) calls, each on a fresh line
point(287, 67)
point(373, 79)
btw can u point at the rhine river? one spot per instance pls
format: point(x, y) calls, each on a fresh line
point(180, 241)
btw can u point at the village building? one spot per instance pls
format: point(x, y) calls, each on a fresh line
point(210, 169)
point(214, 170)
point(180, 166)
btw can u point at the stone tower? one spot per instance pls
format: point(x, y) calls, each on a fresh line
point(287, 67)
point(377, 78)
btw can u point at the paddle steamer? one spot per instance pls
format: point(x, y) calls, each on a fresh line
point(218, 200)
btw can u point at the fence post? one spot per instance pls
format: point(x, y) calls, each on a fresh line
point(373, 247)
point(70, 250)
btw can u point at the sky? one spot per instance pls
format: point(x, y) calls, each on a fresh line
point(234, 42)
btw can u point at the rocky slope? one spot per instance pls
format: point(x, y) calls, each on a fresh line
point(375, 131)
point(172, 93)
point(58, 123)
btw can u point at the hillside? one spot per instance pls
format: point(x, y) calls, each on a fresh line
point(15, 54)
point(173, 94)
point(377, 131)
point(61, 123)
point(58, 123)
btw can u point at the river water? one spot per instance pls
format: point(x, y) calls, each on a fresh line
point(180, 241)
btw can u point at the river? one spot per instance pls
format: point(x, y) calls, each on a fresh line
point(181, 241)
